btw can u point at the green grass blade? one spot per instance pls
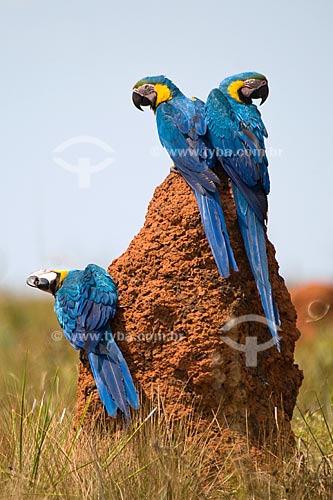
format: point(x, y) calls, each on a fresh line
point(23, 388)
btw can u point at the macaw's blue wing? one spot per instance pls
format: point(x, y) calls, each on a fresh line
point(84, 306)
point(182, 130)
point(243, 157)
point(242, 153)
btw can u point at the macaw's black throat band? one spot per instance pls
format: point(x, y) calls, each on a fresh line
point(54, 286)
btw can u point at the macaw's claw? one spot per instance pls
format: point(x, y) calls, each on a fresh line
point(174, 170)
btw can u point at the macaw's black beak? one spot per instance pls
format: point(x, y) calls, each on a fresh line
point(261, 92)
point(144, 96)
point(40, 283)
point(255, 89)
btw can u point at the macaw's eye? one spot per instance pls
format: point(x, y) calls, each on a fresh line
point(250, 83)
point(38, 282)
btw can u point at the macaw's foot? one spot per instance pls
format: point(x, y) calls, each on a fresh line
point(174, 169)
point(82, 355)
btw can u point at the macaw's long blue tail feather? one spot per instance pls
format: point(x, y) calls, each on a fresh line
point(253, 233)
point(216, 231)
point(113, 379)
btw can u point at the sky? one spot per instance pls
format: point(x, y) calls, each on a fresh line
point(79, 163)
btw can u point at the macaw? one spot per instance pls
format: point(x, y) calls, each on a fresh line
point(85, 301)
point(238, 135)
point(182, 131)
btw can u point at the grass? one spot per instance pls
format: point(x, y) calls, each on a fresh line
point(156, 457)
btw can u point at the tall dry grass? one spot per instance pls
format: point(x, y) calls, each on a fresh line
point(156, 457)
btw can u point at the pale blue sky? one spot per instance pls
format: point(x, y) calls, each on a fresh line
point(67, 69)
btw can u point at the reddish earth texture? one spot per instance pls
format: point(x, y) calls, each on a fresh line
point(172, 306)
point(314, 306)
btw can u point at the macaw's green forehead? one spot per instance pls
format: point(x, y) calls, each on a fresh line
point(256, 76)
point(152, 80)
point(247, 75)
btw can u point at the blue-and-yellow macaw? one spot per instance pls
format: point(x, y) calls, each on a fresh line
point(182, 131)
point(238, 135)
point(85, 301)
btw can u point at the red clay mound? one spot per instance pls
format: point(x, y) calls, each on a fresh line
point(173, 304)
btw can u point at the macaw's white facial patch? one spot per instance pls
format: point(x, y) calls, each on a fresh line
point(44, 280)
point(46, 274)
